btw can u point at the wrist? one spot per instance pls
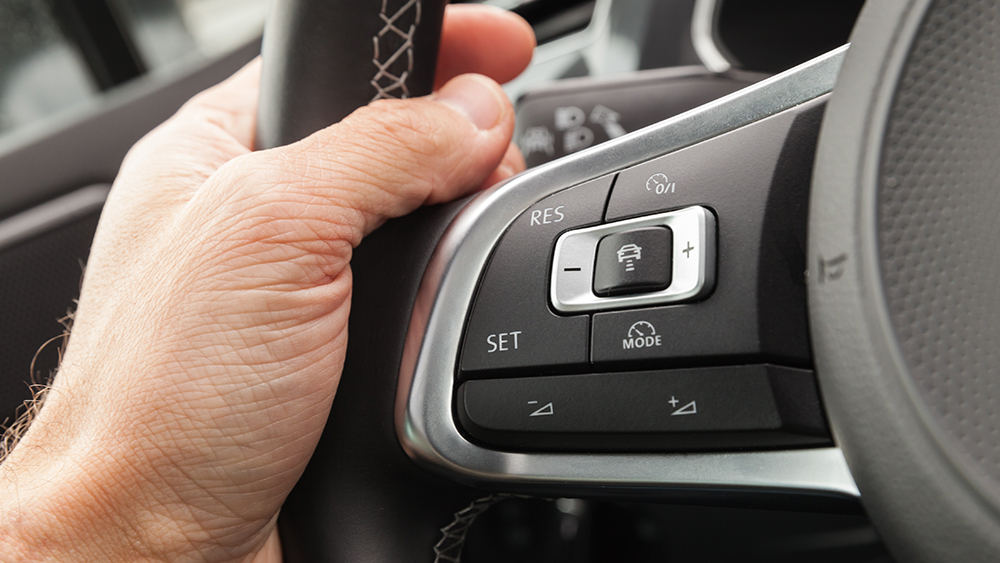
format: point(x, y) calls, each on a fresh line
point(81, 487)
point(66, 495)
point(58, 508)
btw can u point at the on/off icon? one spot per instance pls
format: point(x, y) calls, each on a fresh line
point(659, 184)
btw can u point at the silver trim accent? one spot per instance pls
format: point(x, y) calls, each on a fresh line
point(572, 292)
point(424, 421)
point(703, 36)
point(45, 216)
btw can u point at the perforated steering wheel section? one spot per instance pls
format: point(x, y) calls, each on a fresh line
point(905, 273)
point(938, 203)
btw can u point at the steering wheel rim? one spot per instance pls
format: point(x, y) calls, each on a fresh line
point(931, 500)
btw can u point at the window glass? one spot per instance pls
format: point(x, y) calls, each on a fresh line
point(41, 73)
point(220, 25)
point(170, 31)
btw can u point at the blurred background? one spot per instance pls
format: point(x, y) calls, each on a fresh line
point(57, 54)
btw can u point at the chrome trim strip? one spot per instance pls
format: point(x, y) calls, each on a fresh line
point(43, 217)
point(424, 422)
point(703, 36)
point(572, 292)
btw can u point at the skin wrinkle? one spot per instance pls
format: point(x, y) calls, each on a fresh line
point(268, 365)
point(84, 500)
point(290, 333)
point(270, 225)
point(191, 527)
point(314, 321)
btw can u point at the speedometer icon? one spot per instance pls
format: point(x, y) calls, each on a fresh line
point(640, 329)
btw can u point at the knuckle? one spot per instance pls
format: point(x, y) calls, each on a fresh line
point(248, 175)
point(276, 185)
point(403, 126)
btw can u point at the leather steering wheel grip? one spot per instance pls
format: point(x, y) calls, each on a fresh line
point(361, 498)
point(325, 58)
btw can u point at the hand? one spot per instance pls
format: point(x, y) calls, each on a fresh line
point(212, 325)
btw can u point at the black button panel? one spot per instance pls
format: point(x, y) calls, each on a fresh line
point(511, 325)
point(693, 258)
point(634, 261)
point(701, 408)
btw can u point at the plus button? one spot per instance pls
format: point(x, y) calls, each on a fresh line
point(687, 251)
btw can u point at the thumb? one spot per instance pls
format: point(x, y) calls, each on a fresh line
point(388, 158)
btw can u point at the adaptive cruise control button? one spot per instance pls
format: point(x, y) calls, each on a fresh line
point(511, 324)
point(634, 261)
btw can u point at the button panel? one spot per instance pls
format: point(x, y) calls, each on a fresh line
point(692, 268)
point(700, 408)
point(511, 325)
point(695, 256)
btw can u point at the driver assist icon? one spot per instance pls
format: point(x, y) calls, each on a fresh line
point(627, 254)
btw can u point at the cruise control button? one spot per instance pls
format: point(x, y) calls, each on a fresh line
point(511, 324)
point(756, 181)
point(686, 409)
point(634, 261)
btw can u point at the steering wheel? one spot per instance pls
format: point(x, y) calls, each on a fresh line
point(500, 344)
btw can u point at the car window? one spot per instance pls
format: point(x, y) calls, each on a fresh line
point(168, 31)
point(58, 55)
point(41, 72)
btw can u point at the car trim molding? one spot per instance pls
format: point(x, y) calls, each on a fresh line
point(703, 36)
point(46, 216)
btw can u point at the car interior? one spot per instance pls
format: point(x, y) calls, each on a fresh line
point(742, 305)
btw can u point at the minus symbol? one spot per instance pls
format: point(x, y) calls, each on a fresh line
point(571, 269)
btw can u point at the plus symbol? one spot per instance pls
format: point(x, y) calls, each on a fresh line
point(688, 250)
point(673, 401)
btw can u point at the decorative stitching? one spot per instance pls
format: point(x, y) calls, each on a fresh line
point(388, 81)
point(449, 548)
